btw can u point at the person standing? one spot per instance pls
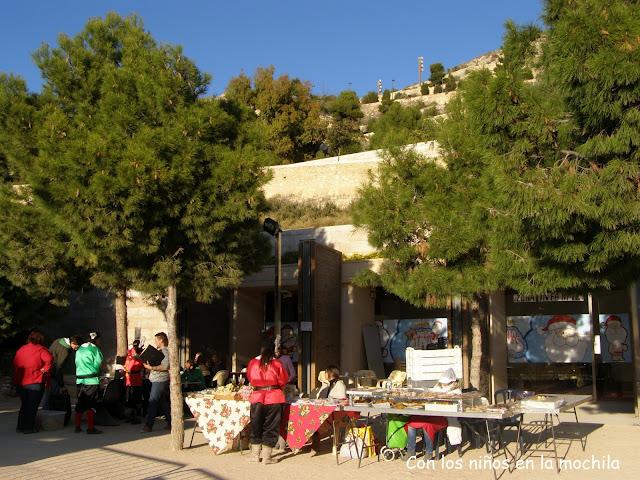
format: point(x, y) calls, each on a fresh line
point(88, 364)
point(159, 376)
point(285, 360)
point(60, 350)
point(31, 366)
point(268, 377)
point(133, 373)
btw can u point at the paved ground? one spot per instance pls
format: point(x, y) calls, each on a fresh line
point(124, 452)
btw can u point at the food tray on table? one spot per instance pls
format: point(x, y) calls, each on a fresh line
point(542, 402)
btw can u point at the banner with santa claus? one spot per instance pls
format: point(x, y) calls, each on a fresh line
point(564, 338)
point(418, 333)
point(615, 344)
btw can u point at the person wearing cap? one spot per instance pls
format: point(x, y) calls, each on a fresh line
point(88, 364)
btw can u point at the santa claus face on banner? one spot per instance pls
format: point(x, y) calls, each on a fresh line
point(563, 343)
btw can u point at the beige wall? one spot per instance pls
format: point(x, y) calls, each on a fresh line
point(336, 179)
point(143, 315)
point(347, 239)
point(357, 309)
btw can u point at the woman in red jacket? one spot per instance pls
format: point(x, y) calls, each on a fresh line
point(31, 367)
point(134, 372)
point(267, 376)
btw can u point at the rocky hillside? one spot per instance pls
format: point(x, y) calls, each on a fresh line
point(412, 93)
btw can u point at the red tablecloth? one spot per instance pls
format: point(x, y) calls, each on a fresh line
point(300, 422)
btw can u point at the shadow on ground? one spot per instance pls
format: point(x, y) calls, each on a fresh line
point(113, 454)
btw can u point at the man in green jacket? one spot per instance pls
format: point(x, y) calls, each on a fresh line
point(88, 365)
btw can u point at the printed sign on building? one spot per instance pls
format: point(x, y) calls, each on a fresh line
point(549, 339)
point(421, 334)
point(615, 341)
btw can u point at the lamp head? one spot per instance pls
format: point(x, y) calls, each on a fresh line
point(271, 226)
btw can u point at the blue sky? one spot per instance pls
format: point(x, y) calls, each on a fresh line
point(334, 44)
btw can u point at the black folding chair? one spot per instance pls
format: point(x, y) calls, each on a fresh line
point(509, 395)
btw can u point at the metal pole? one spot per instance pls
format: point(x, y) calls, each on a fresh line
point(277, 299)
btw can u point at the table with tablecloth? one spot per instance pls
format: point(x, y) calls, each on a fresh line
point(221, 421)
point(301, 420)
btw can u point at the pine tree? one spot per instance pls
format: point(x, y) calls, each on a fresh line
point(537, 190)
point(152, 184)
point(401, 125)
point(437, 72)
point(35, 267)
point(343, 134)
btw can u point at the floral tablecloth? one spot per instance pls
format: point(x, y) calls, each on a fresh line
point(221, 421)
point(301, 421)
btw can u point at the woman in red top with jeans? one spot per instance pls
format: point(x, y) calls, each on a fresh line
point(134, 372)
point(267, 376)
point(31, 367)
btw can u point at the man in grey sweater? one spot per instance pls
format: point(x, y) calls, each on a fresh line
point(159, 377)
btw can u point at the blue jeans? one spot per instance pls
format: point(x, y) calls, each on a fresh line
point(158, 403)
point(412, 434)
point(30, 396)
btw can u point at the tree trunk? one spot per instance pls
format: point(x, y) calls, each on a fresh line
point(177, 422)
point(122, 342)
point(476, 345)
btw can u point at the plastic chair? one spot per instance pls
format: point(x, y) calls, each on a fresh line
point(322, 378)
point(396, 377)
point(220, 378)
point(365, 378)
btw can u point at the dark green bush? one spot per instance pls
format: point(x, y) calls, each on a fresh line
point(370, 97)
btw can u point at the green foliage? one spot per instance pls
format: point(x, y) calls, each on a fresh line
point(386, 101)
point(399, 95)
point(538, 190)
point(293, 214)
point(20, 309)
point(148, 184)
point(424, 88)
point(450, 83)
point(343, 135)
point(438, 89)
point(437, 73)
point(430, 110)
point(346, 106)
point(370, 97)
point(401, 125)
point(286, 111)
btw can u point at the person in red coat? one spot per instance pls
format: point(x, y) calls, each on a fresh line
point(134, 372)
point(268, 377)
point(31, 367)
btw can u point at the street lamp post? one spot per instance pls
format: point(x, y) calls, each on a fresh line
point(273, 228)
